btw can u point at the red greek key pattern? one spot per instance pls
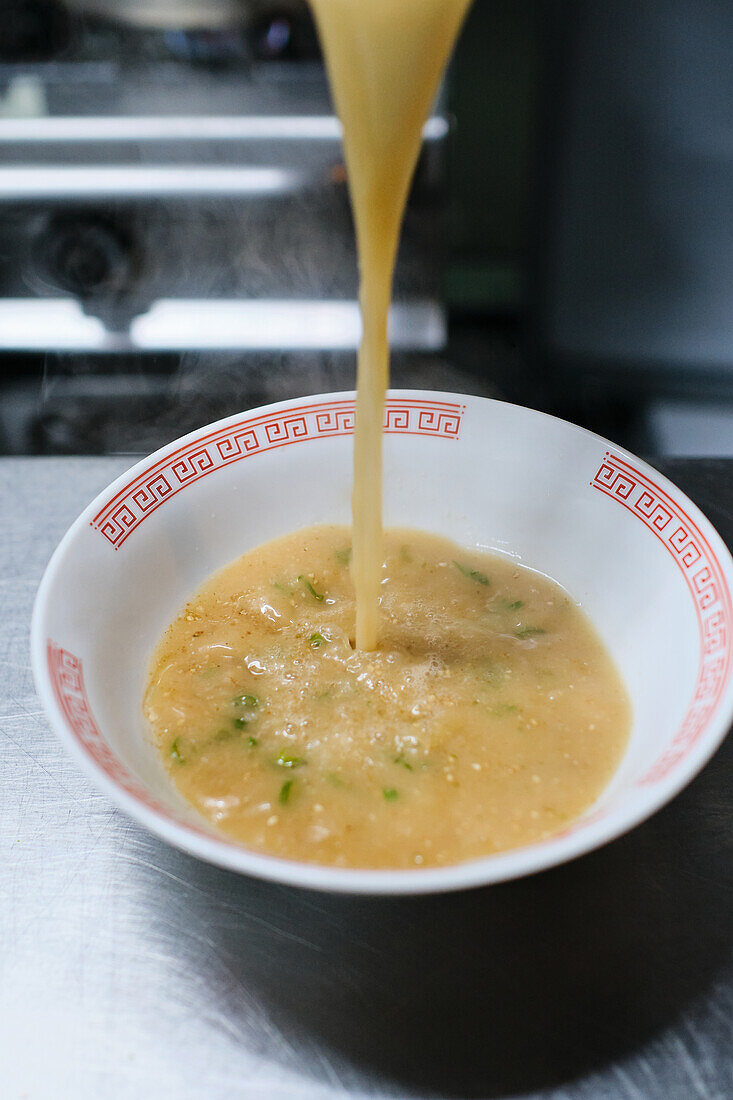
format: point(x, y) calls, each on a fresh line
point(67, 678)
point(286, 428)
point(704, 585)
point(237, 445)
point(335, 422)
point(397, 419)
point(613, 482)
point(650, 508)
point(147, 496)
point(433, 422)
point(704, 578)
point(190, 465)
point(252, 435)
point(117, 524)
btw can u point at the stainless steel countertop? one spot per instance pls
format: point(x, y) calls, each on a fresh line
point(130, 970)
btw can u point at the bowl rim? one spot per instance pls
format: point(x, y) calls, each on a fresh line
point(486, 870)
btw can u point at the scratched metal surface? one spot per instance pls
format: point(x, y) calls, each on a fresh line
point(129, 970)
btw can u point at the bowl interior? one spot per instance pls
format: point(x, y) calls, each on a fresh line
point(649, 570)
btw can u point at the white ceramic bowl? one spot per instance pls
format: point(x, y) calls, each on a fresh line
point(649, 569)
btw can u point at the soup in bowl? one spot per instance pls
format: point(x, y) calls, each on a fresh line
point(574, 526)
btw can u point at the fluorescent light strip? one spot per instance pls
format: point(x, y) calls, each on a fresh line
point(271, 325)
point(24, 184)
point(35, 323)
point(180, 324)
point(187, 128)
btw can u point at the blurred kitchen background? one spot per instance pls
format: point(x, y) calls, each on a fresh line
point(176, 242)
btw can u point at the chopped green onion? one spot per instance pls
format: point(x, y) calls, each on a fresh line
point(316, 595)
point(343, 556)
point(281, 588)
point(287, 760)
point(401, 760)
point(405, 555)
point(503, 709)
point(240, 723)
point(176, 751)
point(252, 741)
point(317, 640)
point(284, 795)
point(472, 574)
point(508, 605)
point(390, 793)
point(250, 701)
point(225, 735)
point(528, 631)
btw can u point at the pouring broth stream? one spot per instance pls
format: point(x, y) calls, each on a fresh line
point(385, 59)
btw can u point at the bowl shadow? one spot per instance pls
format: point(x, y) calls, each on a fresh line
point(493, 992)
